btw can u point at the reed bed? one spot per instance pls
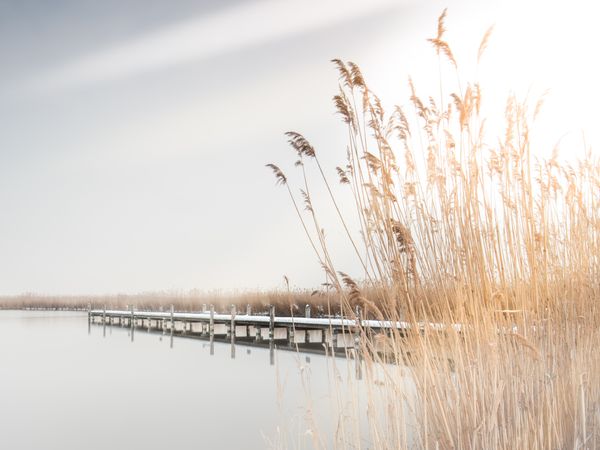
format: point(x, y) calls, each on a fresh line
point(459, 223)
point(287, 301)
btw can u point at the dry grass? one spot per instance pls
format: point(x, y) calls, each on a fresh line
point(286, 302)
point(462, 224)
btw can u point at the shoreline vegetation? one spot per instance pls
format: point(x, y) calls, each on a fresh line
point(286, 303)
point(461, 222)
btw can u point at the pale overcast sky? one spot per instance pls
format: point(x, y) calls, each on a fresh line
point(134, 134)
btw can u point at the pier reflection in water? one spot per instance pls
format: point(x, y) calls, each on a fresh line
point(220, 334)
point(105, 386)
point(308, 334)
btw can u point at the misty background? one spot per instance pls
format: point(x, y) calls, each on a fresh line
point(134, 134)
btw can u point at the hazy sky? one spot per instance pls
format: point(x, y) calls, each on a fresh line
point(134, 134)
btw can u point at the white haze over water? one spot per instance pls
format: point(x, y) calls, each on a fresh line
point(133, 135)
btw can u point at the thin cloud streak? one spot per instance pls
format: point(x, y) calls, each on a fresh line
point(228, 30)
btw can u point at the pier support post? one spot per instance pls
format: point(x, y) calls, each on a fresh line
point(232, 331)
point(211, 329)
point(358, 327)
point(307, 311)
point(232, 324)
point(132, 323)
point(172, 323)
point(358, 351)
point(307, 336)
point(160, 323)
point(271, 322)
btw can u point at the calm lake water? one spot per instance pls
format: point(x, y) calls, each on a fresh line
point(62, 387)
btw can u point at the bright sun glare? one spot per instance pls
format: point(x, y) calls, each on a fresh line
point(536, 49)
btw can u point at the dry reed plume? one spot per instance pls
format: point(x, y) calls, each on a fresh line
point(460, 224)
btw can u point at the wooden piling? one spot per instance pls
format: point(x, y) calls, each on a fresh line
point(271, 322)
point(357, 327)
point(257, 333)
point(232, 324)
point(211, 329)
point(172, 320)
point(307, 336)
point(232, 331)
point(132, 323)
point(358, 351)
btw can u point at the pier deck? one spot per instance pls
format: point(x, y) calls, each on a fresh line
point(305, 332)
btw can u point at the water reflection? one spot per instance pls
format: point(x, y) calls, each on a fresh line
point(207, 332)
point(233, 343)
point(204, 394)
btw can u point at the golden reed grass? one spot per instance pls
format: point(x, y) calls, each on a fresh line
point(459, 224)
point(286, 301)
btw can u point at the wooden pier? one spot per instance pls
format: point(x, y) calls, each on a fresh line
point(331, 335)
point(304, 331)
point(259, 329)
